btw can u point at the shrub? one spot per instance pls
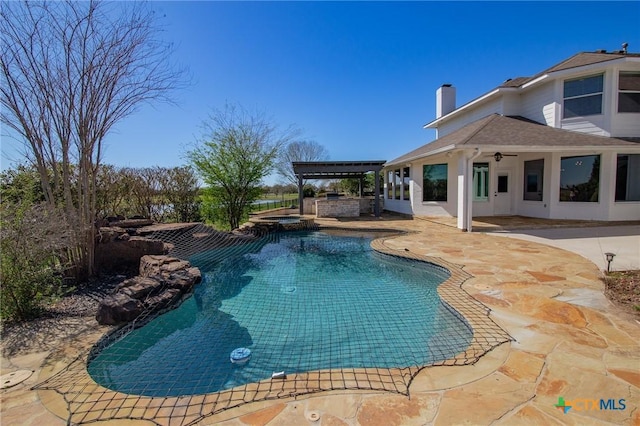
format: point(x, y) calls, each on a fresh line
point(34, 241)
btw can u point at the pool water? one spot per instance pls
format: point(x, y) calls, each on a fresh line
point(283, 220)
point(300, 301)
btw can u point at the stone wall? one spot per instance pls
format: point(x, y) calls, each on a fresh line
point(349, 207)
point(118, 251)
point(366, 205)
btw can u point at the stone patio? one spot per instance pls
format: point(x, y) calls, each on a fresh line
point(569, 341)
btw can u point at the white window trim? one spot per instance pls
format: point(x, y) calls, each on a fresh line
point(601, 93)
point(625, 91)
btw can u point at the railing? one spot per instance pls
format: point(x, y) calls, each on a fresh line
point(271, 204)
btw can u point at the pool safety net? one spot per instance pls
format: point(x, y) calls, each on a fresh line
point(176, 403)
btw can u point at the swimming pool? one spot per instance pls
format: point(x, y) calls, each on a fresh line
point(300, 301)
point(283, 220)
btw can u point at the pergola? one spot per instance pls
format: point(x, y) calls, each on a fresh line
point(338, 170)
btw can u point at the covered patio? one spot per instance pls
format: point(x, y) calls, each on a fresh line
point(306, 170)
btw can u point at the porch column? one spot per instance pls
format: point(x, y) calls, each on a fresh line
point(465, 190)
point(469, 189)
point(607, 193)
point(300, 194)
point(462, 193)
point(376, 205)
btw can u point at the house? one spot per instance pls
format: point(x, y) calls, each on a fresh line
point(563, 144)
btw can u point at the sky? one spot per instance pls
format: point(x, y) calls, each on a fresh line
point(358, 78)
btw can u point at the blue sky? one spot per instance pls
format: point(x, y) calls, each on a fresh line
point(358, 77)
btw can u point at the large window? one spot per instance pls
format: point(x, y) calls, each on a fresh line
point(580, 178)
point(628, 177)
point(390, 184)
point(480, 181)
point(405, 183)
point(629, 91)
point(397, 184)
point(583, 96)
point(533, 174)
point(434, 182)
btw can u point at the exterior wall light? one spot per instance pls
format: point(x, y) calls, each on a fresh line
point(497, 156)
point(610, 257)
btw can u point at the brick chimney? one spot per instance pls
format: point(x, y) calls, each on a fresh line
point(445, 100)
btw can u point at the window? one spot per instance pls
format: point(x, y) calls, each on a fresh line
point(580, 178)
point(503, 183)
point(405, 183)
point(583, 96)
point(628, 177)
point(629, 91)
point(397, 183)
point(434, 182)
point(533, 175)
point(390, 184)
point(480, 181)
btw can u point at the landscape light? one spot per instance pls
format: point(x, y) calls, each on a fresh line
point(610, 257)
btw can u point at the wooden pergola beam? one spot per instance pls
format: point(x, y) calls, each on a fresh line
point(338, 170)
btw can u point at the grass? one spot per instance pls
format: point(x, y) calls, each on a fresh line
point(623, 288)
point(276, 197)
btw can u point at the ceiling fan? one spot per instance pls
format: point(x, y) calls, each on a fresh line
point(498, 156)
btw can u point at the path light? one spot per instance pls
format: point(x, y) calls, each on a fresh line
point(610, 257)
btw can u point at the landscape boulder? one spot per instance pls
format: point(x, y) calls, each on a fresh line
point(117, 309)
point(161, 265)
point(140, 287)
point(162, 283)
point(117, 250)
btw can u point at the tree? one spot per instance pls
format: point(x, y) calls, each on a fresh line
point(146, 193)
point(352, 185)
point(20, 186)
point(113, 191)
point(70, 71)
point(238, 150)
point(298, 151)
point(182, 194)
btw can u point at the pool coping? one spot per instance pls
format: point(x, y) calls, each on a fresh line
point(86, 401)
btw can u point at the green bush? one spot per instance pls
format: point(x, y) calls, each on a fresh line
point(26, 285)
point(33, 242)
point(308, 191)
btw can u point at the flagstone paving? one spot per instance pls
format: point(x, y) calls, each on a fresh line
point(583, 351)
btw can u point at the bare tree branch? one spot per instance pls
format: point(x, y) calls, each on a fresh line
point(70, 71)
point(298, 150)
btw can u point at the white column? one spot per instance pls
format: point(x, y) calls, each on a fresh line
point(462, 192)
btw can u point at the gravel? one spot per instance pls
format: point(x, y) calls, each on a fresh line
point(72, 314)
point(84, 300)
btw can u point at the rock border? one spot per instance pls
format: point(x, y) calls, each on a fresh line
point(162, 282)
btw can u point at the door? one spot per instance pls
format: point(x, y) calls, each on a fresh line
point(502, 194)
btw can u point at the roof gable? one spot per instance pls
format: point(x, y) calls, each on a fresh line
point(578, 60)
point(586, 58)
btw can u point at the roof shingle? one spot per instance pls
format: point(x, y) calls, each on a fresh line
point(515, 132)
point(578, 60)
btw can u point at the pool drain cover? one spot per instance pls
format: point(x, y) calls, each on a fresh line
point(12, 379)
point(313, 416)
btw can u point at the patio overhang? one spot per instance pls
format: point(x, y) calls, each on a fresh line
point(337, 170)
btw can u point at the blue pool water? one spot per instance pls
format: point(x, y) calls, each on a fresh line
point(300, 301)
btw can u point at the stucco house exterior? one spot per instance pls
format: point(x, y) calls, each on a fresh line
point(563, 144)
